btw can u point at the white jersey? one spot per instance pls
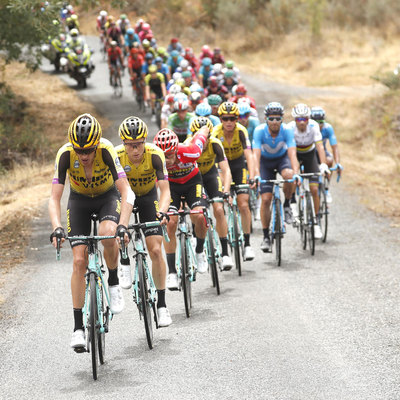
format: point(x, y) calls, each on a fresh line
point(165, 112)
point(305, 141)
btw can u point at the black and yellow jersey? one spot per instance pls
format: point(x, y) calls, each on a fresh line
point(142, 177)
point(154, 83)
point(211, 155)
point(240, 141)
point(106, 169)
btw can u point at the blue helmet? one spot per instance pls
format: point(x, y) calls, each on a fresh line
point(244, 107)
point(317, 113)
point(158, 59)
point(149, 56)
point(203, 110)
point(206, 61)
point(130, 31)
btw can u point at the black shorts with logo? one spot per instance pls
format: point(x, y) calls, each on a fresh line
point(148, 209)
point(212, 183)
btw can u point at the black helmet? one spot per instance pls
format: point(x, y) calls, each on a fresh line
point(274, 108)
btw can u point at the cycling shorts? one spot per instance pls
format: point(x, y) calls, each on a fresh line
point(191, 191)
point(310, 162)
point(115, 62)
point(239, 173)
point(148, 209)
point(267, 170)
point(79, 209)
point(212, 183)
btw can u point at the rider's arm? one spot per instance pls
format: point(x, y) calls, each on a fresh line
point(127, 199)
point(336, 155)
point(164, 90)
point(57, 190)
point(292, 154)
point(158, 161)
point(225, 174)
point(333, 142)
point(244, 138)
point(257, 158)
point(147, 88)
point(257, 139)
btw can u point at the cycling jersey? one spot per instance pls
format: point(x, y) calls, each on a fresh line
point(114, 54)
point(328, 133)
point(211, 155)
point(106, 169)
point(115, 34)
point(130, 39)
point(273, 147)
point(181, 128)
point(186, 166)
point(250, 100)
point(305, 141)
point(142, 177)
point(239, 142)
point(155, 83)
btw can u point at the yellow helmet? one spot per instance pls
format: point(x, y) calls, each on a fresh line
point(84, 131)
point(199, 122)
point(228, 108)
point(132, 128)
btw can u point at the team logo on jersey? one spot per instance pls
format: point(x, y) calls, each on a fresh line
point(117, 163)
point(127, 168)
point(221, 138)
point(76, 164)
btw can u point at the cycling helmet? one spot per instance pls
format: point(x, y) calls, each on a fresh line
point(113, 43)
point(169, 98)
point(161, 51)
point(317, 113)
point(103, 13)
point(146, 43)
point(145, 27)
point(241, 89)
point(228, 108)
point(174, 40)
point(195, 97)
point(158, 60)
point(176, 76)
point(195, 87)
point(181, 105)
point(203, 110)
point(217, 68)
point(130, 31)
point(166, 140)
point(213, 81)
point(205, 49)
point(217, 50)
point(274, 108)
point(174, 53)
point(214, 99)
point(229, 74)
point(84, 132)
point(199, 122)
point(244, 108)
point(174, 89)
point(184, 64)
point(122, 16)
point(74, 32)
point(301, 110)
point(229, 64)
point(206, 62)
point(152, 68)
point(149, 56)
point(186, 74)
point(181, 82)
point(180, 96)
point(132, 128)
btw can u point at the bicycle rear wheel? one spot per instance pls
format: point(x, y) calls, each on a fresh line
point(144, 301)
point(323, 213)
point(185, 276)
point(310, 224)
point(92, 329)
point(236, 244)
point(278, 231)
point(158, 114)
point(302, 223)
point(212, 260)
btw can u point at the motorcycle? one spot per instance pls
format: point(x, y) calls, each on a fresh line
point(54, 51)
point(79, 64)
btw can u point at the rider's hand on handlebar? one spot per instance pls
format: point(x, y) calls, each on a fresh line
point(252, 184)
point(163, 218)
point(122, 233)
point(324, 169)
point(58, 233)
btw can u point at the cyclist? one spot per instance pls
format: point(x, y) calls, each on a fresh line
point(237, 148)
point(193, 61)
point(274, 148)
point(95, 178)
point(144, 164)
point(213, 153)
point(185, 182)
point(101, 22)
point(135, 63)
point(246, 119)
point(214, 100)
point(115, 59)
point(166, 110)
point(205, 53)
point(230, 65)
point(229, 82)
point(309, 143)
point(123, 23)
point(130, 38)
point(155, 88)
point(204, 110)
point(205, 71)
point(174, 45)
point(145, 31)
point(217, 57)
point(214, 87)
point(217, 72)
point(162, 52)
point(115, 34)
point(163, 68)
point(173, 61)
point(180, 119)
point(328, 134)
point(240, 94)
point(194, 100)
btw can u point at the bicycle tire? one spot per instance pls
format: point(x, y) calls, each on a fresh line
point(302, 224)
point(236, 244)
point(144, 300)
point(158, 114)
point(102, 335)
point(323, 213)
point(310, 224)
point(92, 330)
point(185, 277)
point(212, 261)
point(278, 232)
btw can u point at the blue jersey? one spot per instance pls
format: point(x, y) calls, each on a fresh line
point(276, 147)
point(164, 70)
point(328, 133)
point(129, 41)
point(145, 68)
point(252, 125)
point(172, 64)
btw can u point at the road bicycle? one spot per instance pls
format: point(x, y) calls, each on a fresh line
point(235, 231)
point(138, 88)
point(116, 82)
point(277, 225)
point(213, 246)
point(144, 290)
point(96, 311)
point(186, 264)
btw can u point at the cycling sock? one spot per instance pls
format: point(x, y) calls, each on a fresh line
point(124, 261)
point(266, 232)
point(78, 319)
point(224, 245)
point(199, 245)
point(161, 298)
point(293, 199)
point(113, 277)
point(247, 239)
point(171, 263)
point(286, 203)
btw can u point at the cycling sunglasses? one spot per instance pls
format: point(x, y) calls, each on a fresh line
point(136, 145)
point(85, 151)
point(244, 115)
point(274, 119)
point(302, 119)
point(228, 118)
point(321, 121)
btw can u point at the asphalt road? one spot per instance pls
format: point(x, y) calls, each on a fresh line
point(321, 327)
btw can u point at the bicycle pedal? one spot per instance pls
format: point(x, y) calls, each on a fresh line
point(80, 350)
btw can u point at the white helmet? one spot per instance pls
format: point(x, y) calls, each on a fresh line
point(103, 13)
point(301, 110)
point(176, 76)
point(217, 68)
point(180, 96)
point(174, 89)
point(184, 64)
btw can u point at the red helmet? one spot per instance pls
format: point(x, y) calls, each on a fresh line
point(169, 98)
point(166, 140)
point(205, 49)
point(145, 26)
point(174, 40)
point(241, 89)
point(213, 81)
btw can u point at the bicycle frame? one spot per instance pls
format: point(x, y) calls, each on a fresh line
point(276, 194)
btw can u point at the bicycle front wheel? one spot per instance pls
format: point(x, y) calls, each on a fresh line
point(310, 224)
point(212, 260)
point(323, 213)
point(185, 275)
point(278, 232)
point(236, 244)
point(144, 301)
point(104, 316)
point(302, 223)
point(92, 329)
